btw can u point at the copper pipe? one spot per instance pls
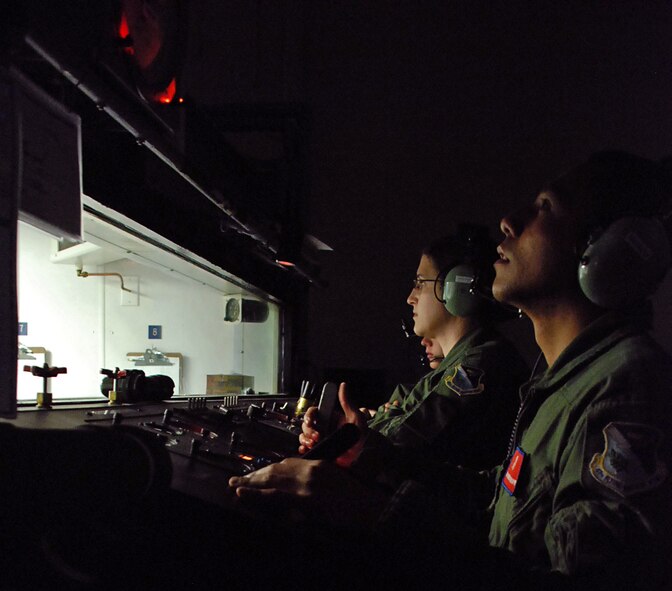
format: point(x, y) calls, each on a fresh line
point(81, 273)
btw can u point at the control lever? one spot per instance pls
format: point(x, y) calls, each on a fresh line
point(335, 444)
point(325, 409)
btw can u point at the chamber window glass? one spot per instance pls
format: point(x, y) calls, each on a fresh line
point(114, 300)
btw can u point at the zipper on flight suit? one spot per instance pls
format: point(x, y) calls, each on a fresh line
point(512, 446)
point(516, 424)
point(521, 408)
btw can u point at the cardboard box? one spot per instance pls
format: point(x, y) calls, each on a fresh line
point(228, 384)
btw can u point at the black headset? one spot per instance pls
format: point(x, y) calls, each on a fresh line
point(625, 262)
point(133, 386)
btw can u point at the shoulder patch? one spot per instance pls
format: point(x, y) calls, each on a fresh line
point(465, 380)
point(629, 463)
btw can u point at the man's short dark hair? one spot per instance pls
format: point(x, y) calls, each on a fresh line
point(614, 184)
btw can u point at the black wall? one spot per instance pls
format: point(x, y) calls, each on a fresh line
point(427, 113)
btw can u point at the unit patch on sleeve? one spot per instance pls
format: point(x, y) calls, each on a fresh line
point(465, 380)
point(629, 463)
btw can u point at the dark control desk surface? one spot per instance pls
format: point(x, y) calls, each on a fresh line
point(91, 509)
point(207, 439)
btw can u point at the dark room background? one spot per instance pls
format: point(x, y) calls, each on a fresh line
point(427, 113)
point(430, 113)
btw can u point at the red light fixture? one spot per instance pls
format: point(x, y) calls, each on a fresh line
point(149, 31)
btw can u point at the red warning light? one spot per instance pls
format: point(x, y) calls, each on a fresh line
point(166, 95)
point(124, 34)
point(123, 27)
point(148, 32)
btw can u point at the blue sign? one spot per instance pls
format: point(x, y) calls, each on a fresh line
point(154, 331)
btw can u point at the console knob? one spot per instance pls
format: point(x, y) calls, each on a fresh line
point(234, 441)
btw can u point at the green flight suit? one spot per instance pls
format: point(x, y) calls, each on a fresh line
point(596, 433)
point(463, 410)
point(592, 500)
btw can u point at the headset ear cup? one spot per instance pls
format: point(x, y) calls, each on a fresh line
point(458, 296)
point(626, 263)
point(136, 390)
point(158, 387)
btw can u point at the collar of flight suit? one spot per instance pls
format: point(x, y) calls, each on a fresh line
point(602, 334)
point(479, 334)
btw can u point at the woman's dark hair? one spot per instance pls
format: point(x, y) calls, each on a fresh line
point(471, 244)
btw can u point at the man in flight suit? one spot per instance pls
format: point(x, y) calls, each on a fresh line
point(584, 498)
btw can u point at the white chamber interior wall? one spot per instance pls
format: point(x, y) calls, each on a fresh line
point(86, 324)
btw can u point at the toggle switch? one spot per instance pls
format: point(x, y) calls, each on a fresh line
point(194, 447)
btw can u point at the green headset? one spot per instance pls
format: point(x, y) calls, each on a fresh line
point(460, 291)
point(628, 202)
point(467, 283)
point(625, 263)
